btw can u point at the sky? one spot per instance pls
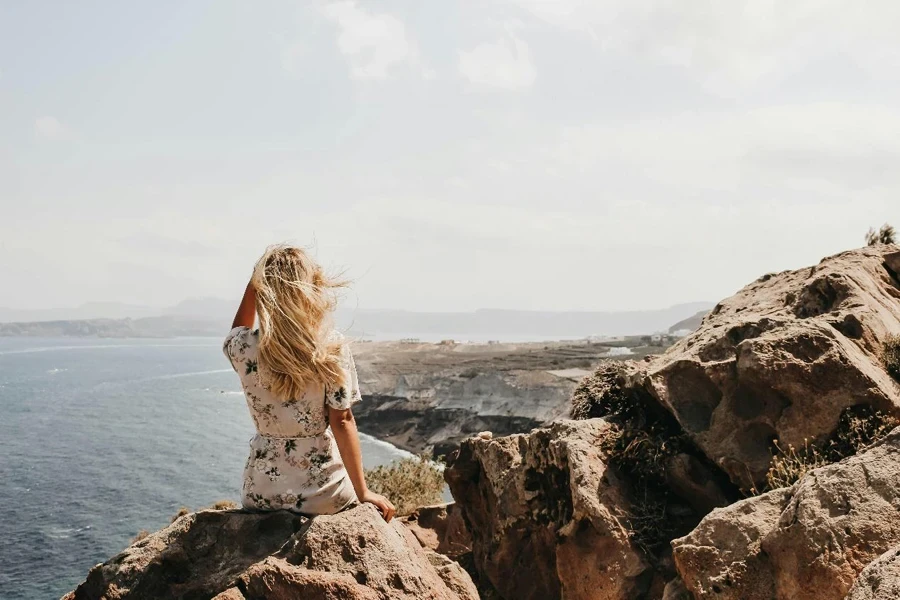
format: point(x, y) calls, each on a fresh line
point(526, 154)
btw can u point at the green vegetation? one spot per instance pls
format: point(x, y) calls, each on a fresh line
point(885, 235)
point(890, 356)
point(408, 483)
point(858, 427)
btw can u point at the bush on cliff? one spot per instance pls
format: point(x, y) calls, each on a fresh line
point(859, 427)
point(408, 483)
point(890, 356)
point(885, 235)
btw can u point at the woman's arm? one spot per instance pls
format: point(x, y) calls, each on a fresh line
point(344, 427)
point(246, 312)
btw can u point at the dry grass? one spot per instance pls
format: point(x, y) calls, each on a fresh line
point(225, 505)
point(890, 356)
point(181, 512)
point(859, 427)
point(140, 535)
point(408, 483)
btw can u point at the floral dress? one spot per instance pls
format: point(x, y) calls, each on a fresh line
point(294, 462)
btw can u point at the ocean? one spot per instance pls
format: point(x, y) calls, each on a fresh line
point(102, 438)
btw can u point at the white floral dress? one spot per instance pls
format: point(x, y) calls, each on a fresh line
point(294, 462)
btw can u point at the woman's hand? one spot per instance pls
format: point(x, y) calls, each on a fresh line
point(383, 505)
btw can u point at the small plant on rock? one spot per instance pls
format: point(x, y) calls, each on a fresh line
point(408, 483)
point(885, 235)
point(890, 356)
point(858, 427)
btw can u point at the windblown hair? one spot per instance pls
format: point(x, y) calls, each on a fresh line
point(294, 300)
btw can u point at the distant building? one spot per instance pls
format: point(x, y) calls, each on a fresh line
point(409, 341)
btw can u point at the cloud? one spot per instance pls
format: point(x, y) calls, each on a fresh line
point(505, 63)
point(374, 44)
point(732, 45)
point(50, 128)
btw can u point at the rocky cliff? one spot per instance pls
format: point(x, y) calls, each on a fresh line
point(431, 396)
point(642, 498)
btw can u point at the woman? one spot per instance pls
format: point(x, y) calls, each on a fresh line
point(298, 377)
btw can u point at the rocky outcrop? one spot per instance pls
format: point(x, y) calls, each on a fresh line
point(880, 580)
point(234, 555)
point(548, 518)
point(807, 542)
point(781, 359)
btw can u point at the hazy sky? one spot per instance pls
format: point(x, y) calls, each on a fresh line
point(451, 155)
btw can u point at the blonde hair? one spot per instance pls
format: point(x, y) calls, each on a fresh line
point(294, 301)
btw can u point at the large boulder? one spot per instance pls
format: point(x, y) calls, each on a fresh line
point(779, 360)
point(880, 580)
point(234, 554)
point(806, 542)
point(548, 519)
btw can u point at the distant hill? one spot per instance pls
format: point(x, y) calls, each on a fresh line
point(692, 323)
point(211, 316)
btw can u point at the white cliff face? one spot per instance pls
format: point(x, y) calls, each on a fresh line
point(421, 396)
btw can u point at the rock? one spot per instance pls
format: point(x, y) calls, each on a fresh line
point(547, 517)
point(675, 590)
point(384, 557)
point(440, 528)
point(230, 594)
point(880, 580)
point(807, 542)
point(723, 559)
point(235, 555)
point(200, 553)
point(276, 579)
point(781, 359)
point(485, 435)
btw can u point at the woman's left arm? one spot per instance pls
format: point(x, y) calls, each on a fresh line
point(246, 312)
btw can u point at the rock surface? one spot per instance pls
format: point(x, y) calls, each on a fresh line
point(880, 580)
point(547, 517)
point(807, 542)
point(440, 528)
point(781, 359)
point(233, 555)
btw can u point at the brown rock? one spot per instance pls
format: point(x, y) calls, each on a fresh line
point(547, 516)
point(358, 543)
point(275, 579)
point(880, 580)
point(440, 528)
point(781, 359)
point(230, 594)
point(807, 542)
point(351, 555)
point(200, 553)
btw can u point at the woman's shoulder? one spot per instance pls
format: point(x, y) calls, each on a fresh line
point(240, 342)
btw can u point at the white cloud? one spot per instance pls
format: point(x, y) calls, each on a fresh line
point(50, 128)
point(504, 64)
point(736, 43)
point(374, 44)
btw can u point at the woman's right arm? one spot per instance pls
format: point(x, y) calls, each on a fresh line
point(343, 426)
point(246, 312)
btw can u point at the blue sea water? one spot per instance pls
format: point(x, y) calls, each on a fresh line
point(102, 438)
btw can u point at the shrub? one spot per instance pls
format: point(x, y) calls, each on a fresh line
point(858, 427)
point(885, 235)
point(890, 356)
point(140, 535)
point(225, 505)
point(181, 512)
point(408, 483)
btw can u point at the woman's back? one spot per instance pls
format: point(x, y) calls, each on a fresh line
point(303, 416)
point(294, 462)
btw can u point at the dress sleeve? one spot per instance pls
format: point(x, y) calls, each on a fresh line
point(348, 394)
point(234, 345)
